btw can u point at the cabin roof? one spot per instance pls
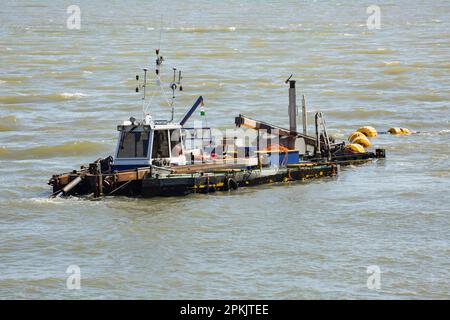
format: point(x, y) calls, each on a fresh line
point(127, 125)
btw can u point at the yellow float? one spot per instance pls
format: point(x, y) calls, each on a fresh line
point(355, 135)
point(405, 131)
point(368, 131)
point(363, 141)
point(355, 148)
point(396, 130)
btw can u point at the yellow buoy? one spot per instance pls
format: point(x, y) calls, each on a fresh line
point(368, 131)
point(399, 131)
point(394, 130)
point(355, 135)
point(355, 148)
point(362, 141)
point(405, 131)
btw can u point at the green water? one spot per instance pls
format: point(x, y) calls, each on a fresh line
point(62, 93)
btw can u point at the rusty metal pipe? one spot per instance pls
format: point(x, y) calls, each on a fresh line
point(72, 184)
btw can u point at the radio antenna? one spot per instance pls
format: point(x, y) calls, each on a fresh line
point(160, 31)
point(173, 86)
point(143, 87)
point(145, 82)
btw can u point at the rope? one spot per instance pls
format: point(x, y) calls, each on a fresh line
point(164, 93)
point(126, 183)
point(170, 104)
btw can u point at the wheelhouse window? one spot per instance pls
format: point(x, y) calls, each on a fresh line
point(175, 142)
point(160, 144)
point(133, 145)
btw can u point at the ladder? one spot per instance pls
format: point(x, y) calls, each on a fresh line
point(321, 131)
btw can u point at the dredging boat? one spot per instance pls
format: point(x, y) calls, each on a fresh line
point(157, 157)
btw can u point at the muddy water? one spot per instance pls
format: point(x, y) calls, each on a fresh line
point(62, 92)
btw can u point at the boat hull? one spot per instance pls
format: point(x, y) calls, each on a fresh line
point(144, 182)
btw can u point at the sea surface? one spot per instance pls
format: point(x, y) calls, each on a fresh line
point(63, 91)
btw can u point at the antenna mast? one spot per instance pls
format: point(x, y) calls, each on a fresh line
point(174, 85)
point(144, 85)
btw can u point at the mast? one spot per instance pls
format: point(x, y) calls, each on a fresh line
point(292, 113)
point(304, 116)
point(174, 86)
